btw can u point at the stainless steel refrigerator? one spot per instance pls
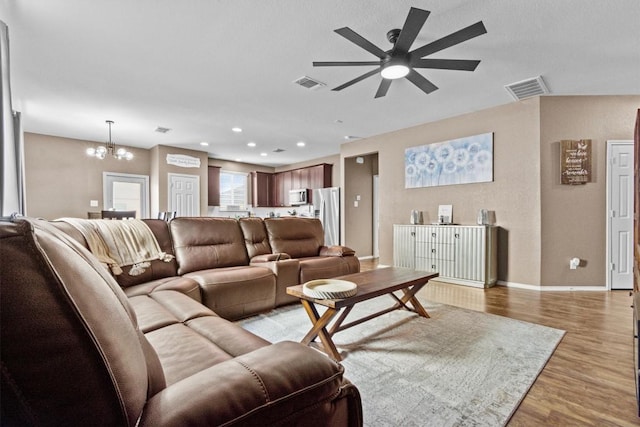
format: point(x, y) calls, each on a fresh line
point(326, 206)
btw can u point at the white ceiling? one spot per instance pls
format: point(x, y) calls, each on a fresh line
point(201, 67)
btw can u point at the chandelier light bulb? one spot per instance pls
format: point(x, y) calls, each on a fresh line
point(101, 150)
point(91, 151)
point(128, 155)
point(121, 152)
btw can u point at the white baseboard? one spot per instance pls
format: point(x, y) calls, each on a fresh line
point(366, 257)
point(552, 288)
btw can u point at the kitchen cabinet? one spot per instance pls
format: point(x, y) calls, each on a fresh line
point(213, 186)
point(465, 255)
point(261, 189)
point(318, 176)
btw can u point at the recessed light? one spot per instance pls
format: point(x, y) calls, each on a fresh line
point(251, 144)
point(236, 129)
point(204, 144)
point(300, 144)
point(263, 154)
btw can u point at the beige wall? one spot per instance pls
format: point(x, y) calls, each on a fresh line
point(61, 179)
point(542, 223)
point(514, 193)
point(574, 216)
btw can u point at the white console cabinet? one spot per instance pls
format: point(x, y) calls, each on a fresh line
point(462, 254)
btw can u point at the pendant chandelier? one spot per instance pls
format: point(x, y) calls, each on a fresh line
point(109, 149)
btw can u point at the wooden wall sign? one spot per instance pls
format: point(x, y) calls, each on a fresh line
point(575, 162)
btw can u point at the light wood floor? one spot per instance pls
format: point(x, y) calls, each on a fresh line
point(589, 380)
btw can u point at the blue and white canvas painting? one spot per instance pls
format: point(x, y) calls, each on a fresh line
point(458, 161)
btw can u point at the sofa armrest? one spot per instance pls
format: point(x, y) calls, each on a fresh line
point(285, 381)
point(278, 256)
point(336, 251)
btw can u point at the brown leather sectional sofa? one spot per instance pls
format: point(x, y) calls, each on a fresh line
point(236, 268)
point(80, 348)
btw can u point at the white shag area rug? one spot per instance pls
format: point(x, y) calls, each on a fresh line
point(457, 368)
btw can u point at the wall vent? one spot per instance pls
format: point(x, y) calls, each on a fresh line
point(309, 83)
point(527, 88)
point(162, 130)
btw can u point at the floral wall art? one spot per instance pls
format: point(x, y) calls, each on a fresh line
point(458, 161)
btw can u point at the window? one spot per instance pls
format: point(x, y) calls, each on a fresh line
point(233, 190)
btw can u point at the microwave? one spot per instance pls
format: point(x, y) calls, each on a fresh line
point(298, 197)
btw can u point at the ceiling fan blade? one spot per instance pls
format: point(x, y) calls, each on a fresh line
point(445, 64)
point(417, 79)
point(452, 39)
point(383, 88)
point(357, 79)
point(356, 38)
point(343, 63)
point(412, 26)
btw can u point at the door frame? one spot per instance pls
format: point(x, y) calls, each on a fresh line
point(144, 196)
point(609, 184)
point(170, 190)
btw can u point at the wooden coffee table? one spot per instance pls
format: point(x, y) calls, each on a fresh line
point(371, 284)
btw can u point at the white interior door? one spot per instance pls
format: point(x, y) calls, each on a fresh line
point(620, 214)
point(184, 194)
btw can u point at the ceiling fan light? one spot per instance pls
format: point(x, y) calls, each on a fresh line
point(394, 71)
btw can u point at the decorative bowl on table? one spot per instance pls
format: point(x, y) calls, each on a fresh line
point(329, 289)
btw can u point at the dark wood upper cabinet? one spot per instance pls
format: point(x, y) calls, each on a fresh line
point(262, 189)
point(213, 186)
point(276, 192)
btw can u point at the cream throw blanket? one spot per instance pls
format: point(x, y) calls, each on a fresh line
point(120, 243)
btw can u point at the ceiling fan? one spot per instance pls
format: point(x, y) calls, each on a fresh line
point(399, 61)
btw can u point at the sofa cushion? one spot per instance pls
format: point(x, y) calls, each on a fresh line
point(255, 236)
point(298, 237)
point(325, 267)
point(204, 243)
point(236, 292)
point(187, 286)
point(170, 317)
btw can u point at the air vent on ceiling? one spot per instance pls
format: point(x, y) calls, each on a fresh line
point(527, 88)
point(278, 150)
point(162, 130)
point(309, 83)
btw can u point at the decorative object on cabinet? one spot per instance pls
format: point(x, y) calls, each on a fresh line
point(462, 254)
point(458, 161)
point(445, 214)
point(575, 162)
